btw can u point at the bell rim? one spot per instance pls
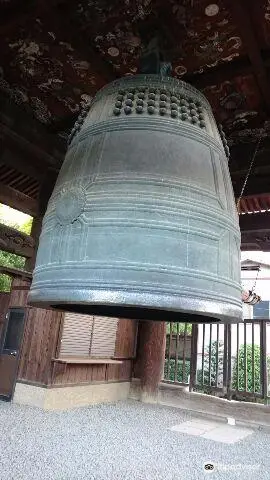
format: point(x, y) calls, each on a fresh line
point(172, 305)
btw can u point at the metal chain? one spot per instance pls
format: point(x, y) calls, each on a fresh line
point(248, 172)
point(255, 282)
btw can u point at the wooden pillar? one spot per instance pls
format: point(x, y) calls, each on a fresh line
point(35, 232)
point(46, 189)
point(151, 358)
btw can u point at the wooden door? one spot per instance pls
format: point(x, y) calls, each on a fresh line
point(9, 353)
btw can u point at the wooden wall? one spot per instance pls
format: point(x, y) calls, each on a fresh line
point(66, 374)
point(40, 345)
point(41, 328)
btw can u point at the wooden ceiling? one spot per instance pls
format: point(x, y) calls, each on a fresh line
point(56, 54)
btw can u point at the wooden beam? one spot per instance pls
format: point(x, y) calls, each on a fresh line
point(261, 170)
point(255, 231)
point(13, 241)
point(255, 222)
point(22, 163)
point(11, 197)
point(21, 143)
point(35, 234)
point(20, 120)
point(241, 16)
point(255, 186)
point(46, 190)
point(256, 241)
point(15, 272)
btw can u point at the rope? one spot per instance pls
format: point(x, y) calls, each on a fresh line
point(248, 173)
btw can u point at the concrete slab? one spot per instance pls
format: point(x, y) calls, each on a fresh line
point(188, 429)
point(228, 434)
point(204, 423)
point(212, 430)
point(196, 426)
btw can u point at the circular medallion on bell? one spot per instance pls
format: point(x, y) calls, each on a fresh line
point(70, 204)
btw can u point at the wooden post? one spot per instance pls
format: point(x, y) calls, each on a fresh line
point(152, 343)
point(35, 232)
point(46, 189)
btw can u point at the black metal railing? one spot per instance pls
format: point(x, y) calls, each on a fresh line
point(230, 361)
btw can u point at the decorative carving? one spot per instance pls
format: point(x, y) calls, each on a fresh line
point(13, 241)
point(174, 113)
point(79, 122)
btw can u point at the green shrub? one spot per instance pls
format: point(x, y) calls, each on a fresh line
point(182, 327)
point(9, 259)
point(216, 366)
point(247, 366)
point(181, 376)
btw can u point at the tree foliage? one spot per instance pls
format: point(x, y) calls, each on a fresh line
point(245, 370)
point(182, 327)
point(175, 372)
point(211, 374)
point(10, 259)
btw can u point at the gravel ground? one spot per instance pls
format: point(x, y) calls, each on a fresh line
point(127, 440)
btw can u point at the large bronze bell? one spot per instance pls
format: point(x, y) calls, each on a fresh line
point(142, 221)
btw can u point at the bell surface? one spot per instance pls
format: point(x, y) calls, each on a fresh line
point(142, 221)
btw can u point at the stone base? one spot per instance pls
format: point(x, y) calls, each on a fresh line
point(135, 389)
point(64, 398)
point(247, 413)
point(136, 393)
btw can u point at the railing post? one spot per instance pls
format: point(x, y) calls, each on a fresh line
point(194, 352)
point(229, 361)
point(225, 360)
point(263, 354)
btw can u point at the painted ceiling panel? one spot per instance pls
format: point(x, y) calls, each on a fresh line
point(55, 55)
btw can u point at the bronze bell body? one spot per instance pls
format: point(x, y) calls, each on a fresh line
point(142, 221)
